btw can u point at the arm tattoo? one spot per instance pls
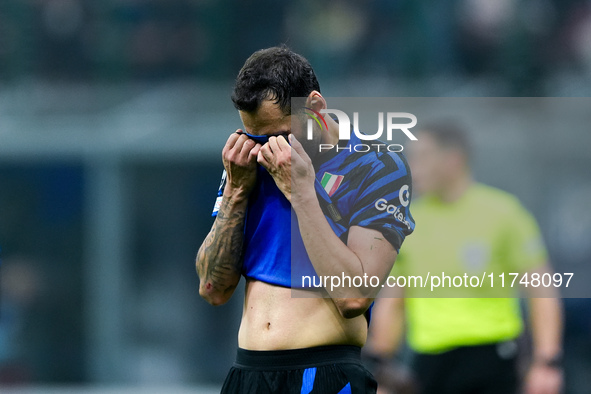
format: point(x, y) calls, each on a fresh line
point(219, 260)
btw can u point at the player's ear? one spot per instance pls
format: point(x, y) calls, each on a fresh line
point(315, 101)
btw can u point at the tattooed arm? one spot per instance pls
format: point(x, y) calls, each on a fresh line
point(219, 260)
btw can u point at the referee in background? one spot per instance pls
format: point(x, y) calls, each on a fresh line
point(467, 345)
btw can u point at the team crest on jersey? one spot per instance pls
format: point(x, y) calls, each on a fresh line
point(331, 182)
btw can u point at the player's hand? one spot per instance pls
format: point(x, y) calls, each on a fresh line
point(542, 379)
point(290, 167)
point(303, 172)
point(239, 157)
point(276, 157)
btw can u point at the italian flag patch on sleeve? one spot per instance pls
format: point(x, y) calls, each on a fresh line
point(331, 183)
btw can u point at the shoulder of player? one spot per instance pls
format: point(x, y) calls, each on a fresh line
point(496, 199)
point(378, 159)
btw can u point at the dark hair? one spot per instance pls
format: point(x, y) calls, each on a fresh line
point(450, 135)
point(276, 73)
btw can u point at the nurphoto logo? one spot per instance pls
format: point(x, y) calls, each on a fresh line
point(345, 129)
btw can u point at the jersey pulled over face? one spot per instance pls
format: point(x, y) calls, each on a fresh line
point(369, 189)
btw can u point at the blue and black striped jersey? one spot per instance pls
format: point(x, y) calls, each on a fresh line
point(369, 187)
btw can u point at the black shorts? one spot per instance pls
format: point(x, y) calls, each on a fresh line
point(485, 369)
point(318, 370)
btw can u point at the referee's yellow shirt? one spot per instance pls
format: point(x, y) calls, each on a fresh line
point(486, 231)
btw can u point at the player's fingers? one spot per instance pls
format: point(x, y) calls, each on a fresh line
point(265, 151)
point(239, 144)
point(247, 147)
point(262, 160)
point(282, 142)
point(295, 144)
point(273, 145)
point(254, 152)
point(232, 139)
point(234, 154)
point(234, 150)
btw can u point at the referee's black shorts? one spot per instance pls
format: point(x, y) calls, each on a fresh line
point(483, 369)
point(319, 370)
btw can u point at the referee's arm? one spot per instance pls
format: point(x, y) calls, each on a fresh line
point(219, 260)
point(545, 375)
point(387, 325)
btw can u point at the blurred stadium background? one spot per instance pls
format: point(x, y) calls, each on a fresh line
point(112, 117)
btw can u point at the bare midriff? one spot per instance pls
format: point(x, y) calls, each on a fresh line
point(279, 318)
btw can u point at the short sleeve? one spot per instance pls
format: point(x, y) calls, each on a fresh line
point(523, 243)
point(383, 203)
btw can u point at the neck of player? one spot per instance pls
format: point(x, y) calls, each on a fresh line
point(455, 187)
